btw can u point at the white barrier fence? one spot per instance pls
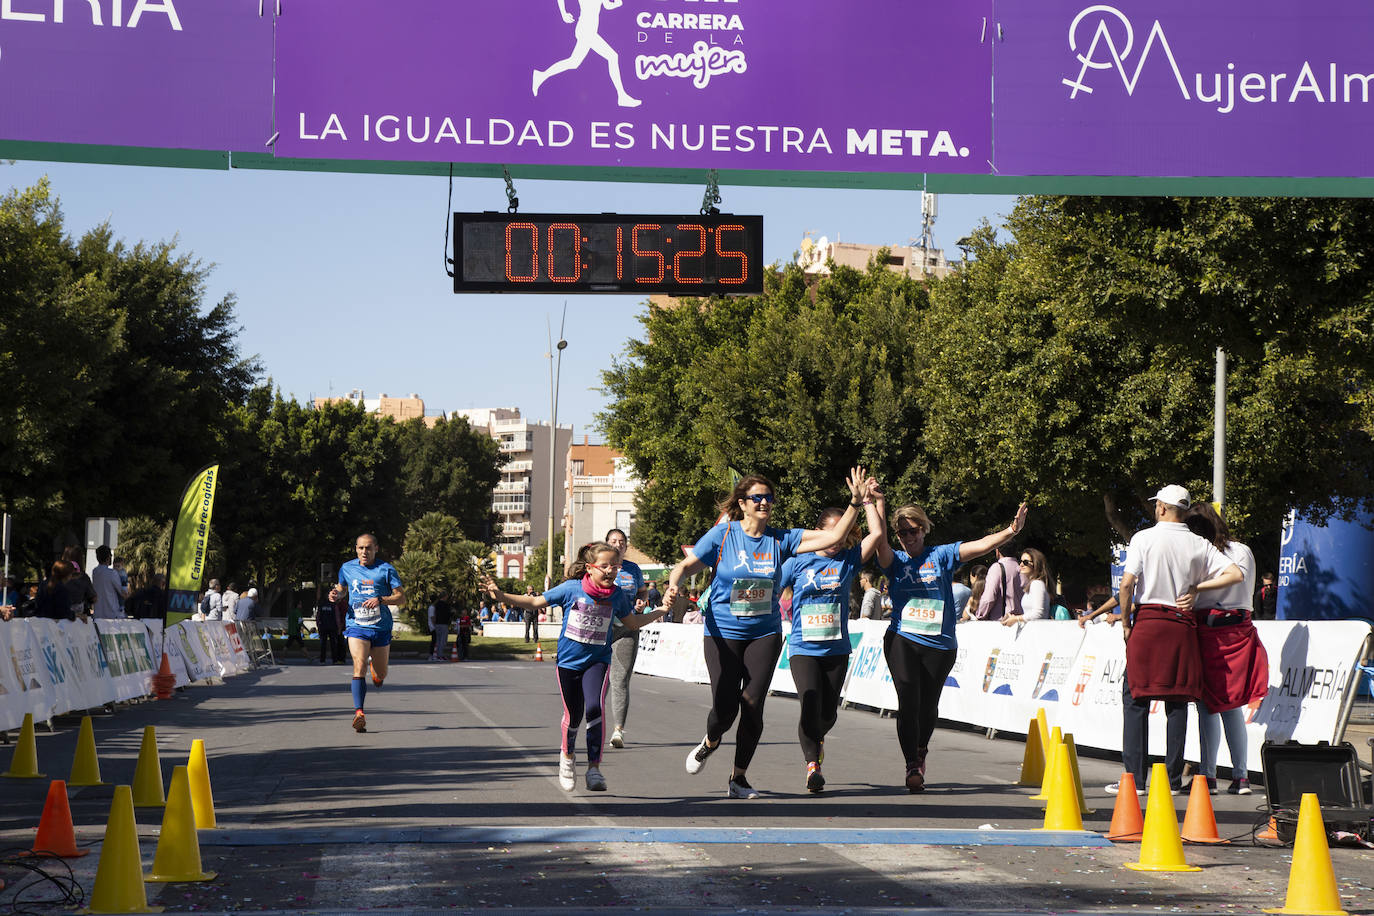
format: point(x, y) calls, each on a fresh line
point(50, 667)
point(1002, 675)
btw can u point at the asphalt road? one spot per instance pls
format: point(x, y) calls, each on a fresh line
point(450, 800)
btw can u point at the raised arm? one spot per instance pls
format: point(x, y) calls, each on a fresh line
point(824, 538)
point(875, 542)
point(686, 567)
point(970, 549)
point(529, 602)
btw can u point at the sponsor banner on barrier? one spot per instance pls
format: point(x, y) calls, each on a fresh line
point(672, 650)
point(86, 667)
point(196, 651)
point(174, 74)
point(782, 675)
point(1174, 87)
point(1002, 675)
point(643, 83)
point(868, 682)
point(132, 653)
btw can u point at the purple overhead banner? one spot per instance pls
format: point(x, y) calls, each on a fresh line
point(739, 84)
point(1178, 87)
point(175, 74)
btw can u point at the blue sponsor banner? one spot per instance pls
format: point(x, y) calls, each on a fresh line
point(1325, 570)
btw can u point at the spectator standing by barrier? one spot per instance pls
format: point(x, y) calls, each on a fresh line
point(327, 630)
point(871, 607)
point(109, 594)
point(371, 587)
point(230, 602)
point(117, 564)
point(1163, 662)
point(531, 617)
point(213, 603)
point(1037, 599)
point(743, 636)
point(150, 602)
point(80, 590)
point(247, 605)
point(624, 641)
point(1235, 666)
point(1267, 602)
point(818, 642)
point(1004, 587)
point(440, 616)
point(977, 581)
point(53, 601)
point(590, 599)
point(920, 645)
point(464, 638)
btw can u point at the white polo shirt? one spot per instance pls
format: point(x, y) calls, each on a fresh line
point(1234, 597)
point(107, 589)
point(1167, 560)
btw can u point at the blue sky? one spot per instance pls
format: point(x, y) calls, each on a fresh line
point(340, 281)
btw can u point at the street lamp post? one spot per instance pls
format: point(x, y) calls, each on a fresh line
point(555, 381)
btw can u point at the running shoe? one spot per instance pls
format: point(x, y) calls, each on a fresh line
point(567, 773)
point(618, 737)
point(376, 681)
point(815, 782)
point(1115, 787)
point(696, 759)
point(921, 760)
point(915, 782)
point(595, 781)
point(1239, 787)
point(739, 788)
point(359, 721)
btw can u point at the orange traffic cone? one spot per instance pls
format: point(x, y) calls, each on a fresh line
point(1269, 833)
point(1200, 821)
point(538, 652)
point(1127, 821)
point(1311, 880)
point(164, 682)
point(56, 835)
point(453, 653)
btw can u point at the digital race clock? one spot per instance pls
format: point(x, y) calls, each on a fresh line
point(608, 253)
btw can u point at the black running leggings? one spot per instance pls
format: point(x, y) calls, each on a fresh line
point(918, 674)
point(818, 679)
point(741, 670)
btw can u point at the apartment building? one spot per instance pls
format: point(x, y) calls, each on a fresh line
point(521, 498)
point(600, 487)
point(384, 405)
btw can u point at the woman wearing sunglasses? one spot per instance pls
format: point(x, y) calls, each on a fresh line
point(920, 644)
point(1037, 601)
point(743, 622)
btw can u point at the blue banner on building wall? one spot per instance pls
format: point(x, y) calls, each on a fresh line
point(1325, 570)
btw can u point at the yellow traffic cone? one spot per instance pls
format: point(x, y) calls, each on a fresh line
point(1056, 739)
point(148, 773)
point(178, 848)
point(1077, 777)
point(24, 763)
point(119, 876)
point(1061, 813)
point(1033, 761)
point(1044, 723)
point(1311, 880)
point(85, 766)
point(202, 800)
point(1161, 848)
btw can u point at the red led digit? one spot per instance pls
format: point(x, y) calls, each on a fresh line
point(677, 258)
point(534, 252)
point(656, 255)
point(619, 253)
point(577, 253)
point(740, 255)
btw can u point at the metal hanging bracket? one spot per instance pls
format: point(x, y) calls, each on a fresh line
point(512, 202)
point(712, 195)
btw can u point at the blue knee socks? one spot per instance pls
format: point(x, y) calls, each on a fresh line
point(359, 692)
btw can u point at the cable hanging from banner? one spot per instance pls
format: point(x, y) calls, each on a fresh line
point(711, 198)
point(448, 223)
point(513, 202)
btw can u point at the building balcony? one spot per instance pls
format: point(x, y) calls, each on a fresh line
point(513, 486)
point(518, 467)
point(511, 506)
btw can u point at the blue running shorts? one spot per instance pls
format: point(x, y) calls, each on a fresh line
point(377, 636)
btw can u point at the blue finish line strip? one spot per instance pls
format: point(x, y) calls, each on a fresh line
point(684, 836)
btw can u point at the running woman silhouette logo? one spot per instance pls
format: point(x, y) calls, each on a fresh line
point(908, 574)
point(743, 561)
point(588, 35)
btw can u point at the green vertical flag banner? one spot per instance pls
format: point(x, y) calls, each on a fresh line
point(190, 541)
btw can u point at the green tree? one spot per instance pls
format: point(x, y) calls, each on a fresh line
point(1073, 365)
point(450, 469)
point(446, 561)
point(536, 567)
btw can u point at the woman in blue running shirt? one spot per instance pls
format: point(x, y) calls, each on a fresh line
point(589, 599)
point(743, 636)
point(818, 645)
point(919, 644)
point(372, 589)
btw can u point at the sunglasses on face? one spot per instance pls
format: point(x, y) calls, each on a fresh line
point(759, 499)
point(1025, 561)
point(909, 532)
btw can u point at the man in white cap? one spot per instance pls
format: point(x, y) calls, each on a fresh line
point(246, 605)
point(1170, 565)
